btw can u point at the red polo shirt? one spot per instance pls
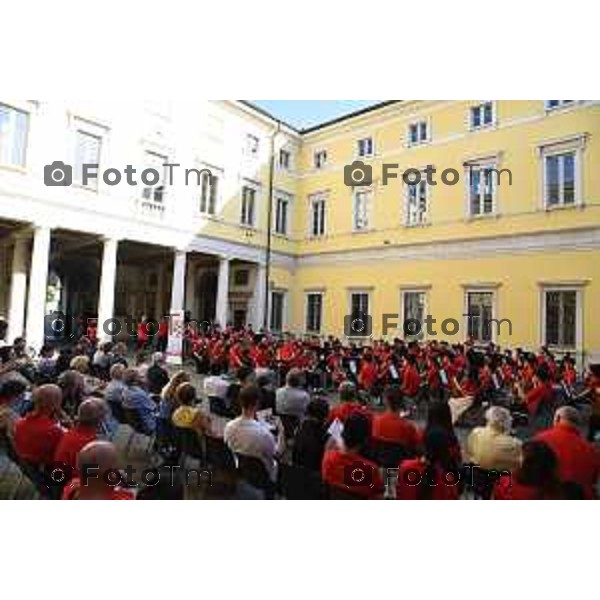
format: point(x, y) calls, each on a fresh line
point(337, 470)
point(578, 460)
point(411, 472)
point(540, 394)
point(36, 438)
point(390, 427)
point(71, 444)
point(411, 380)
point(343, 410)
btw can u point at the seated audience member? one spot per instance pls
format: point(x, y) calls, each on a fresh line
point(541, 395)
point(63, 360)
point(113, 392)
point(102, 359)
point(535, 479)
point(292, 399)
point(347, 468)
point(119, 354)
point(439, 416)
point(187, 415)
point(38, 434)
point(46, 366)
point(246, 435)
point(578, 459)
point(216, 386)
point(91, 384)
point(434, 475)
point(14, 484)
point(12, 404)
point(89, 417)
point(137, 400)
point(492, 446)
point(411, 380)
point(389, 426)
point(73, 389)
point(156, 375)
point(97, 459)
point(168, 395)
point(348, 404)
point(268, 394)
point(311, 437)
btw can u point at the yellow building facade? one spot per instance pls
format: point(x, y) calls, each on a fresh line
point(517, 248)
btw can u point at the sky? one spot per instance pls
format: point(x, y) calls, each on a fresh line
point(306, 113)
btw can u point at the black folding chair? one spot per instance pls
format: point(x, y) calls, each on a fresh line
point(218, 455)
point(253, 471)
point(300, 483)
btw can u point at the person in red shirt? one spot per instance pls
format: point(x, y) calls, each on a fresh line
point(578, 459)
point(367, 375)
point(38, 434)
point(98, 462)
point(433, 476)
point(411, 380)
point(348, 404)
point(142, 334)
point(347, 469)
point(389, 426)
point(89, 416)
point(541, 395)
point(536, 478)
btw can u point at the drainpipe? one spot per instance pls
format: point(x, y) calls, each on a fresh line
point(269, 227)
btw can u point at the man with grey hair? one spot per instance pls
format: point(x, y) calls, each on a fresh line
point(292, 399)
point(492, 446)
point(578, 459)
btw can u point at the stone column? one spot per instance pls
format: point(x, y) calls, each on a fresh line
point(18, 289)
point(108, 277)
point(222, 292)
point(38, 280)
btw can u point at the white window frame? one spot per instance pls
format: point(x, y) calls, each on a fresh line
point(418, 124)
point(481, 165)
point(252, 145)
point(244, 222)
point(280, 165)
point(362, 151)
point(321, 295)
point(403, 305)
point(207, 183)
point(364, 291)
point(284, 302)
point(578, 288)
point(368, 194)
point(562, 104)
point(481, 108)
point(408, 194)
point(481, 290)
point(287, 199)
point(313, 199)
point(320, 158)
point(576, 144)
point(12, 128)
point(162, 183)
point(81, 128)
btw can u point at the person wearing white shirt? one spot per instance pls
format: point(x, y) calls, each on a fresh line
point(250, 437)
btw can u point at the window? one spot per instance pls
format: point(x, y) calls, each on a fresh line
point(552, 104)
point(360, 210)
point(285, 160)
point(482, 115)
point(14, 125)
point(87, 151)
point(282, 203)
point(317, 215)
point(277, 306)
point(314, 312)
point(480, 311)
point(252, 145)
point(417, 205)
point(559, 175)
point(365, 147)
point(241, 277)
point(413, 303)
point(156, 192)
point(359, 304)
point(320, 158)
point(482, 189)
point(560, 318)
point(209, 186)
point(248, 206)
point(417, 133)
